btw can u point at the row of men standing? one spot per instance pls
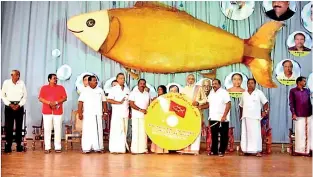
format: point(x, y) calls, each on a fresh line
point(92, 108)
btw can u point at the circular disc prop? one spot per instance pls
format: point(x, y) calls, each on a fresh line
point(172, 122)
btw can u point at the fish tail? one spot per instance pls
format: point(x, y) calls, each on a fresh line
point(257, 53)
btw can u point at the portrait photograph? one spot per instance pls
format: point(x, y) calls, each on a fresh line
point(307, 16)
point(235, 83)
point(299, 43)
point(287, 71)
point(237, 10)
point(280, 10)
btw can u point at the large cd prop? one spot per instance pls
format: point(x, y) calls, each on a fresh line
point(307, 44)
point(237, 10)
point(64, 72)
point(307, 16)
point(172, 122)
point(152, 92)
point(281, 76)
point(229, 84)
point(79, 81)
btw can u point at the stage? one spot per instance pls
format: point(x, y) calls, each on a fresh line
point(74, 163)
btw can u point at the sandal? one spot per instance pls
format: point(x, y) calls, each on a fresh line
point(58, 151)
point(259, 155)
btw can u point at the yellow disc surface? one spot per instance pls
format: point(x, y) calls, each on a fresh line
point(172, 122)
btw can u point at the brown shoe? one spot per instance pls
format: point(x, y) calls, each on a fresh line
point(47, 151)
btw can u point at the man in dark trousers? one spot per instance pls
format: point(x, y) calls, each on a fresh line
point(219, 104)
point(14, 97)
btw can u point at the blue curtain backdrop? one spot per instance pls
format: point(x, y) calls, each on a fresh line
point(31, 30)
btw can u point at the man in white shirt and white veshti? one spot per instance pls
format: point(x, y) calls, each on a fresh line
point(91, 109)
point(14, 97)
point(251, 103)
point(118, 98)
point(139, 101)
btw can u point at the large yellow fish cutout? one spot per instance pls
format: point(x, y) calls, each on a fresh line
point(159, 39)
point(91, 28)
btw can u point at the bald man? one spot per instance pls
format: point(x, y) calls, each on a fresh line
point(14, 97)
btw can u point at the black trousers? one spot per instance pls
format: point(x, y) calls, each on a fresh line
point(223, 130)
point(10, 116)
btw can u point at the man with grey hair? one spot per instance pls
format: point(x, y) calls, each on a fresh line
point(14, 97)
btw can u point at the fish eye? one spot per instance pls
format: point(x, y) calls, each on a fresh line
point(90, 22)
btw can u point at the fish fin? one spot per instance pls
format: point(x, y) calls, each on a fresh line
point(210, 75)
point(257, 53)
point(112, 37)
point(133, 74)
point(155, 4)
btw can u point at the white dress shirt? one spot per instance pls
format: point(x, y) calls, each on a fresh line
point(188, 91)
point(141, 100)
point(92, 99)
point(218, 101)
point(282, 76)
point(13, 92)
point(116, 93)
point(252, 104)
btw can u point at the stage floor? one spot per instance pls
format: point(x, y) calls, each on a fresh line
point(74, 163)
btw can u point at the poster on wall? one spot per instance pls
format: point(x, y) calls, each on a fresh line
point(237, 10)
point(280, 10)
point(287, 71)
point(79, 81)
point(64, 72)
point(299, 43)
point(235, 83)
point(307, 16)
point(174, 88)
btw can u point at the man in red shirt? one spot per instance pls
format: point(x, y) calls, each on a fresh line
point(52, 96)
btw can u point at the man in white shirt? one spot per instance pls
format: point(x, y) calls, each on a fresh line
point(92, 101)
point(118, 98)
point(139, 101)
point(14, 97)
point(219, 104)
point(251, 103)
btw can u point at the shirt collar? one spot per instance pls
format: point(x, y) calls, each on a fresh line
point(17, 82)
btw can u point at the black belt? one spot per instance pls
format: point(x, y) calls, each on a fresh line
point(14, 102)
